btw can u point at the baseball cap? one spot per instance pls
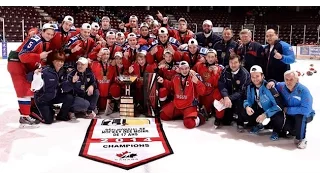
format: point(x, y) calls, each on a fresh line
point(83, 60)
point(149, 17)
point(256, 68)
point(144, 24)
point(86, 26)
point(95, 25)
point(193, 42)
point(144, 52)
point(131, 35)
point(105, 49)
point(109, 33)
point(212, 51)
point(182, 19)
point(105, 18)
point(120, 34)
point(207, 22)
point(183, 63)
point(69, 19)
point(167, 51)
point(118, 54)
point(163, 30)
point(133, 17)
point(47, 26)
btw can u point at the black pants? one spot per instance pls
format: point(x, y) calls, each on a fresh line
point(297, 125)
point(276, 121)
point(233, 113)
point(46, 107)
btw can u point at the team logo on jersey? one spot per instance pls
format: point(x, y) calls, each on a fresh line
point(206, 75)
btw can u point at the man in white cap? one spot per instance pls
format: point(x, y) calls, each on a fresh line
point(82, 82)
point(145, 38)
point(210, 72)
point(260, 105)
point(156, 49)
point(105, 27)
point(207, 38)
point(63, 33)
point(186, 87)
point(94, 33)
point(193, 53)
point(111, 45)
point(80, 45)
point(27, 58)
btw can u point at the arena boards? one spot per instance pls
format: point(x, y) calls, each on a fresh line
point(125, 142)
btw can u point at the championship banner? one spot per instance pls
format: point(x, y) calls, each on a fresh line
point(150, 85)
point(125, 142)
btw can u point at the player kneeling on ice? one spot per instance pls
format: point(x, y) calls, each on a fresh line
point(82, 83)
point(261, 104)
point(51, 92)
point(232, 84)
point(298, 106)
point(210, 73)
point(186, 87)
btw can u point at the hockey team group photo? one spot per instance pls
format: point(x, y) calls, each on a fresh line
point(131, 71)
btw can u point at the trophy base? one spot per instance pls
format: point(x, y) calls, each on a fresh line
point(126, 106)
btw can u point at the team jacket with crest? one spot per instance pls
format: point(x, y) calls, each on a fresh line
point(169, 71)
point(31, 50)
point(140, 70)
point(103, 75)
point(158, 56)
point(234, 85)
point(61, 38)
point(275, 68)
point(223, 50)
point(207, 42)
point(113, 49)
point(86, 47)
point(192, 59)
point(185, 95)
point(210, 79)
point(146, 40)
point(52, 83)
point(251, 54)
point(80, 87)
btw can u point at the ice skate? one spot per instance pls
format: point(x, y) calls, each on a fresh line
point(28, 122)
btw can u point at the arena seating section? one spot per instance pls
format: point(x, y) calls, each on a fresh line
point(283, 18)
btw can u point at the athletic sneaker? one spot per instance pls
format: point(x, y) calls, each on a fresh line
point(302, 144)
point(240, 128)
point(256, 129)
point(274, 136)
point(26, 121)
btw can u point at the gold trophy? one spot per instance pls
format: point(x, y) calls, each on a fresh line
point(126, 101)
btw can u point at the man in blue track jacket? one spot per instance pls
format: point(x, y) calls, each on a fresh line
point(298, 106)
point(261, 104)
point(278, 57)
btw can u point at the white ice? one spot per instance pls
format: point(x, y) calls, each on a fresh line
point(55, 148)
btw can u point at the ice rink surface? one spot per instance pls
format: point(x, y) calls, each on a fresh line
point(55, 148)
